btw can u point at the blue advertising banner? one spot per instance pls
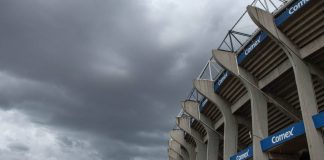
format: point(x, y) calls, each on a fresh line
point(202, 104)
point(253, 44)
point(278, 21)
point(290, 11)
point(319, 120)
point(283, 136)
point(244, 154)
point(218, 83)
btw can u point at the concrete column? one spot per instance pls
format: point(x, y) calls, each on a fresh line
point(206, 88)
point(184, 153)
point(201, 147)
point(303, 78)
point(258, 101)
point(174, 154)
point(259, 121)
point(178, 136)
point(229, 61)
point(212, 145)
point(192, 108)
point(201, 151)
point(175, 146)
point(170, 158)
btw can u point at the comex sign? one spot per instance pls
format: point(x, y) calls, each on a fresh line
point(220, 81)
point(282, 136)
point(202, 104)
point(278, 21)
point(294, 8)
point(297, 6)
point(254, 44)
point(249, 49)
point(244, 154)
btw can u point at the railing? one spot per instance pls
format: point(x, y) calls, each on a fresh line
point(244, 28)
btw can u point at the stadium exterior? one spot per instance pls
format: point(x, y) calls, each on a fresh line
point(265, 97)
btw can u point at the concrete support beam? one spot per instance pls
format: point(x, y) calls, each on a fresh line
point(316, 45)
point(175, 146)
point(201, 147)
point(303, 79)
point(274, 74)
point(174, 154)
point(178, 136)
point(287, 107)
point(316, 71)
point(239, 103)
point(219, 123)
point(258, 100)
point(227, 59)
point(212, 145)
point(184, 153)
point(201, 150)
point(206, 88)
point(240, 120)
point(183, 123)
point(192, 108)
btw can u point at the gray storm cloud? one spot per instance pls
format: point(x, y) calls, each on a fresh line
point(110, 72)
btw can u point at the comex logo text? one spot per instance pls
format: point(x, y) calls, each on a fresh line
point(222, 79)
point(297, 6)
point(248, 50)
point(283, 136)
point(243, 156)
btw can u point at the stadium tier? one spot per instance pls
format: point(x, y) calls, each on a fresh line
point(265, 98)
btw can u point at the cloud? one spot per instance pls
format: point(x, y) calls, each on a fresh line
point(113, 72)
point(19, 137)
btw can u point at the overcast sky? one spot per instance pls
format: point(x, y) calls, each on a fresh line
point(101, 79)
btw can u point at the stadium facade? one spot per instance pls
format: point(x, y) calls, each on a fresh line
point(264, 98)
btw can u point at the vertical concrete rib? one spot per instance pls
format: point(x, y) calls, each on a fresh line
point(303, 79)
point(212, 145)
point(205, 87)
point(178, 136)
point(192, 108)
point(184, 153)
point(201, 148)
point(258, 101)
point(174, 154)
point(175, 146)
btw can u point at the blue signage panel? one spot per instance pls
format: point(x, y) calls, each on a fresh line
point(319, 120)
point(218, 83)
point(290, 11)
point(249, 48)
point(202, 104)
point(283, 136)
point(244, 154)
point(278, 21)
